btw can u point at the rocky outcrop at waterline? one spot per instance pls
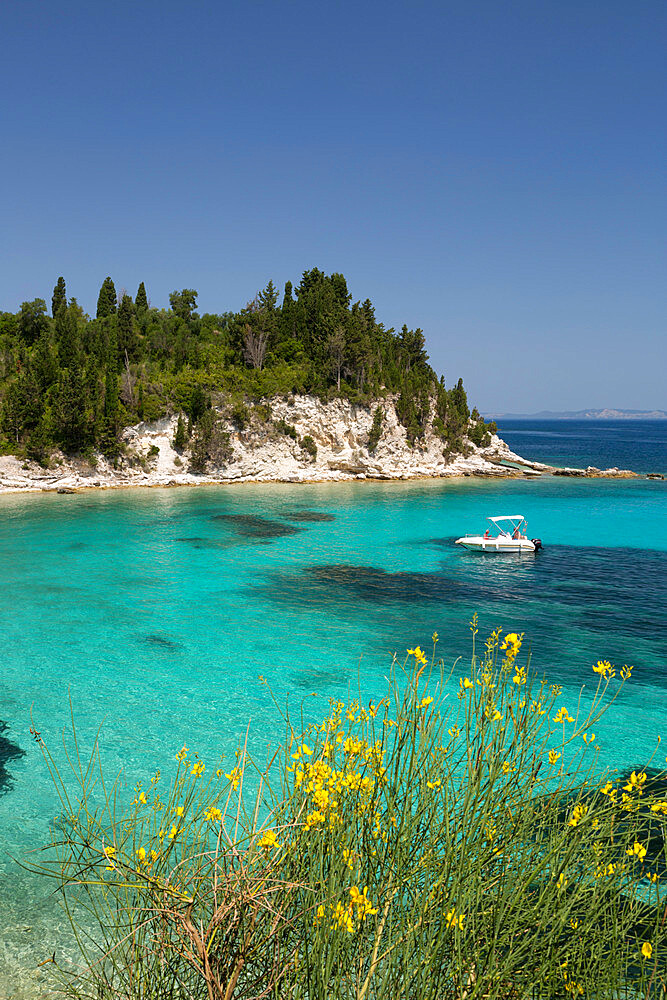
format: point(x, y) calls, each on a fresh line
point(293, 440)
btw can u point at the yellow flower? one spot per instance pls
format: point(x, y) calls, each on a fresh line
point(626, 672)
point(635, 782)
point(268, 839)
point(466, 683)
point(574, 924)
point(141, 854)
point(179, 810)
point(455, 919)
point(561, 881)
point(605, 669)
point(197, 768)
point(554, 756)
point(454, 732)
point(234, 776)
point(434, 784)
point(361, 902)
point(181, 753)
point(213, 814)
point(434, 637)
point(578, 814)
point(637, 850)
point(562, 715)
point(425, 702)
point(172, 832)
point(647, 949)
point(142, 798)
point(418, 654)
point(315, 818)
point(609, 790)
point(342, 919)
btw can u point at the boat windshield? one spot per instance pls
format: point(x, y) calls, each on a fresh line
point(509, 524)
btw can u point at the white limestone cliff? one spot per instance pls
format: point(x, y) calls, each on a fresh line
point(262, 453)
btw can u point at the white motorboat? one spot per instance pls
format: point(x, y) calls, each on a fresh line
point(507, 534)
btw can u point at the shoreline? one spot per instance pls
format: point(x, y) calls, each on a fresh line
point(64, 485)
point(338, 450)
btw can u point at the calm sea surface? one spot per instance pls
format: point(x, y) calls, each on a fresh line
point(640, 445)
point(156, 610)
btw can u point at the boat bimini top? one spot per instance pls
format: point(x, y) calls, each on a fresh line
point(513, 520)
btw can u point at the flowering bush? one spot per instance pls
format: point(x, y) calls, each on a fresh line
point(454, 840)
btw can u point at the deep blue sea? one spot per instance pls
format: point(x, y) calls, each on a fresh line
point(156, 610)
point(640, 445)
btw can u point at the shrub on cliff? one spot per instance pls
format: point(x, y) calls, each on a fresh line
point(308, 445)
point(454, 839)
point(375, 432)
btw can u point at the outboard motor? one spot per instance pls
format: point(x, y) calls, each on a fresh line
point(537, 542)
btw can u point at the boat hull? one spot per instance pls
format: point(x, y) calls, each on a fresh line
point(477, 543)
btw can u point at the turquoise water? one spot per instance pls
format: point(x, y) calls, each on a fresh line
point(156, 610)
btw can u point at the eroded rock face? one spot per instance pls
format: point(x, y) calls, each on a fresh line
point(264, 452)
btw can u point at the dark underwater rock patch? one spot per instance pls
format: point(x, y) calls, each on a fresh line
point(8, 751)
point(162, 641)
point(256, 527)
point(379, 585)
point(316, 678)
point(197, 542)
point(308, 516)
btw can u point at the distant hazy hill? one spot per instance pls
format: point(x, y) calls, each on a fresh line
point(582, 415)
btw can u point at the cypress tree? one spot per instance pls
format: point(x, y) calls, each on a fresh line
point(127, 340)
point(59, 297)
point(181, 437)
point(67, 336)
point(106, 301)
point(141, 301)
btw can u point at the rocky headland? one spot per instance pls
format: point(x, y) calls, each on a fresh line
point(294, 440)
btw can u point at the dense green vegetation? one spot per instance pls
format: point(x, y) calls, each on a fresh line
point(73, 382)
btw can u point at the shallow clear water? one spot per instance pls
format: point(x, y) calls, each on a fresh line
point(640, 445)
point(156, 610)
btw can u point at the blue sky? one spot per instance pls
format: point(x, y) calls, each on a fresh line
point(492, 172)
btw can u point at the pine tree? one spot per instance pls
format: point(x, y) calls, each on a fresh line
point(59, 297)
point(141, 301)
point(268, 297)
point(107, 302)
